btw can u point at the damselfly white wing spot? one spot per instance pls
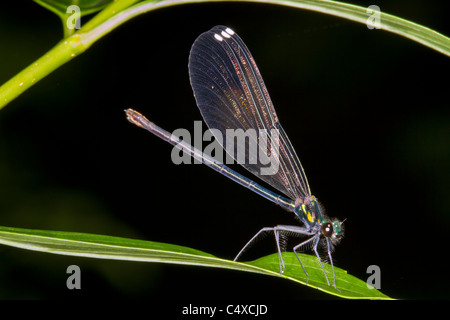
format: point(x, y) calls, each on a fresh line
point(218, 37)
point(229, 31)
point(225, 35)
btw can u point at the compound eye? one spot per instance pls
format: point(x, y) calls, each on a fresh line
point(327, 229)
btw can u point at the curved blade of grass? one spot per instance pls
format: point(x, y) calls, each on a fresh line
point(387, 22)
point(108, 247)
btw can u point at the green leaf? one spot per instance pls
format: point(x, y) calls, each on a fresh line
point(107, 247)
point(59, 7)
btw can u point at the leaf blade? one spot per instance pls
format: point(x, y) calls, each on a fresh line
point(117, 248)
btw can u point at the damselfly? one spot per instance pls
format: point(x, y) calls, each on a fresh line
point(231, 94)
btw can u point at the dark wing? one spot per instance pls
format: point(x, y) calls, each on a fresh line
point(231, 94)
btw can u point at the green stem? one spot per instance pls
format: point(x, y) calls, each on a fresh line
point(63, 52)
point(120, 12)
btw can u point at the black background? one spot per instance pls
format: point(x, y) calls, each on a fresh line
point(366, 110)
